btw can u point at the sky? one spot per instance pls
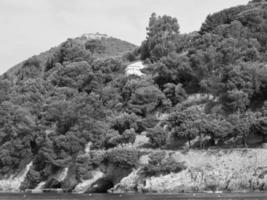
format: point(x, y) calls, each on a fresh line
point(29, 27)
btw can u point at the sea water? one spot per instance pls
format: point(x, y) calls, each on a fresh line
point(66, 196)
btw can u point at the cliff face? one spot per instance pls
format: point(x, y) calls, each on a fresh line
point(206, 171)
point(239, 170)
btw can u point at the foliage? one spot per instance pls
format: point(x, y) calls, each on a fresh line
point(114, 139)
point(175, 93)
point(31, 68)
point(211, 85)
point(159, 165)
point(95, 46)
point(160, 32)
point(157, 136)
point(124, 158)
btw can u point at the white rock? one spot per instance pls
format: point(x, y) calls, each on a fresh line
point(86, 184)
point(135, 68)
point(13, 183)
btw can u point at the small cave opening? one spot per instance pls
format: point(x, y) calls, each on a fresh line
point(101, 186)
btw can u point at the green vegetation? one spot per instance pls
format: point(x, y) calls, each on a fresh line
point(123, 158)
point(159, 165)
point(210, 85)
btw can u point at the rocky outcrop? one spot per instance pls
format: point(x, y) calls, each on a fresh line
point(207, 171)
point(135, 68)
point(113, 175)
point(12, 184)
point(39, 187)
point(221, 170)
point(128, 184)
point(86, 184)
point(55, 181)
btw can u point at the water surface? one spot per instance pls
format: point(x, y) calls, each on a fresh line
point(65, 196)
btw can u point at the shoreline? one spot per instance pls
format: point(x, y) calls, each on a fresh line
point(200, 194)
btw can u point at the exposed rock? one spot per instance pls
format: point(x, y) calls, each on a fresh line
point(135, 68)
point(86, 184)
point(228, 170)
point(102, 185)
point(208, 171)
point(39, 187)
point(113, 175)
point(95, 36)
point(128, 184)
point(140, 140)
point(70, 181)
point(13, 183)
point(143, 160)
point(56, 180)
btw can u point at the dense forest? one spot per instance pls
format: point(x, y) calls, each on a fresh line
point(206, 89)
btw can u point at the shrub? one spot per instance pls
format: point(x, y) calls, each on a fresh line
point(128, 136)
point(84, 167)
point(157, 136)
point(121, 157)
point(159, 165)
point(97, 157)
point(112, 139)
point(171, 165)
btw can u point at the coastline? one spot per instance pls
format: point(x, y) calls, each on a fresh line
point(212, 171)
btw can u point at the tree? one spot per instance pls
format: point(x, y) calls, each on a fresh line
point(129, 136)
point(157, 136)
point(160, 32)
point(31, 68)
point(95, 46)
point(175, 93)
point(185, 123)
point(5, 90)
point(147, 99)
point(123, 122)
point(235, 101)
point(219, 129)
point(17, 131)
point(72, 51)
point(164, 26)
point(242, 125)
point(112, 139)
point(173, 68)
point(74, 75)
point(222, 17)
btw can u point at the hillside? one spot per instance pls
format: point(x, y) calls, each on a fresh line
point(65, 112)
point(106, 47)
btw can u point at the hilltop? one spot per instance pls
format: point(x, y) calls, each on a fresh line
point(106, 47)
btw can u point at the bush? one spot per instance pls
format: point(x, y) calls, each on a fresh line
point(156, 158)
point(84, 167)
point(129, 136)
point(97, 157)
point(157, 136)
point(123, 122)
point(95, 46)
point(112, 139)
point(159, 165)
point(121, 157)
point(171, 165)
